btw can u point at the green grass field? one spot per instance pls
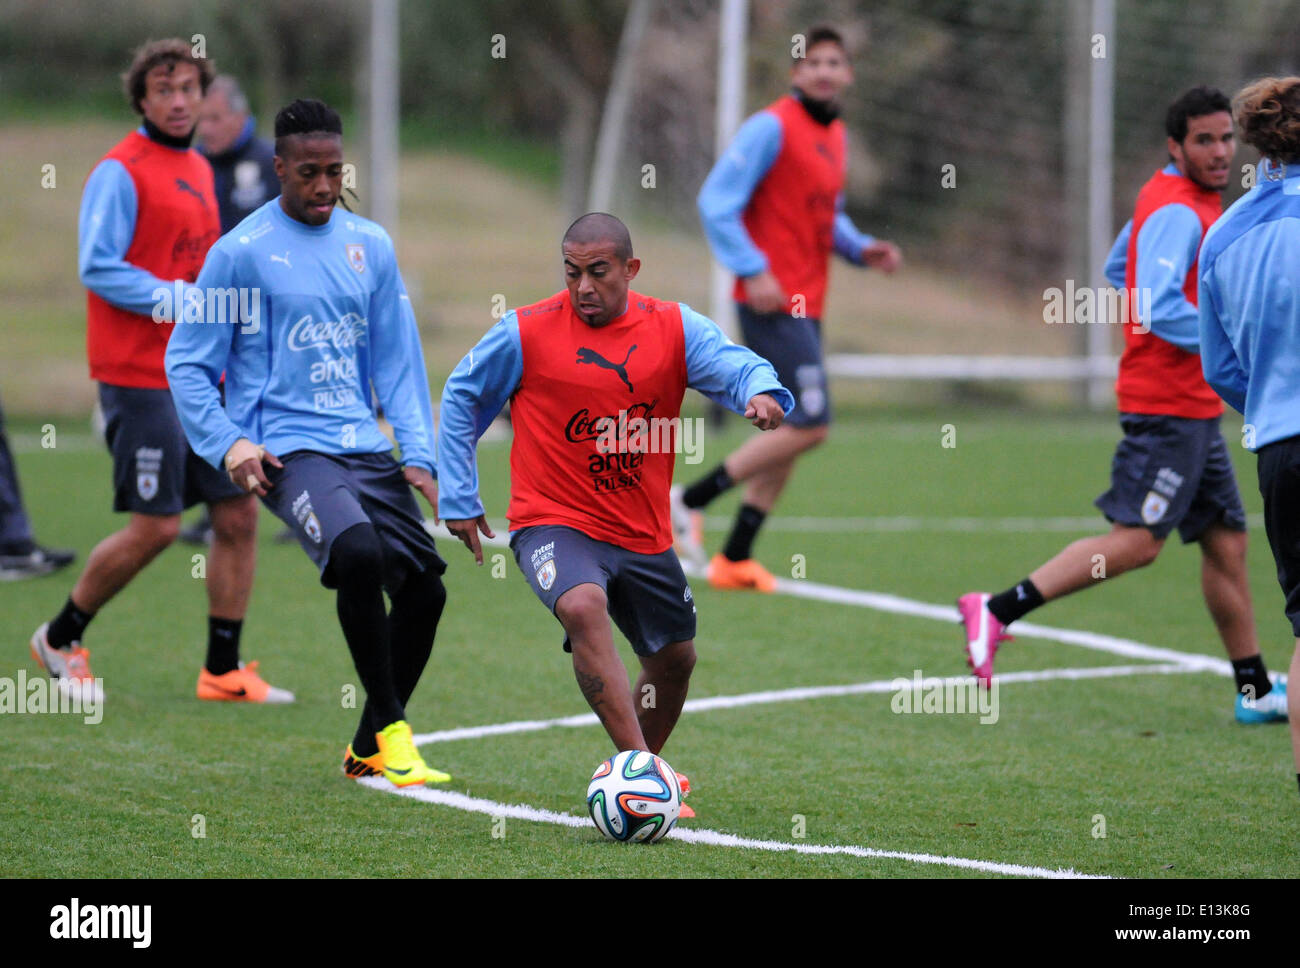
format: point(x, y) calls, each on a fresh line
point(1183, 790)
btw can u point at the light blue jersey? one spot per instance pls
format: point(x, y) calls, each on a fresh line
point(1249, 301)
point(318, 316)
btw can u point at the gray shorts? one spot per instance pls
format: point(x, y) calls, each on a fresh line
point(319, 496)
point(793, 345)
point(155, 471)
point(1172, 472)
point(649, 598)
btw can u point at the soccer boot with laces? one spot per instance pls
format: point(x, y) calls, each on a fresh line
point(1268, 708)
point(239, 685)
point(70, 667)
point(726, 574)
point(402, 763)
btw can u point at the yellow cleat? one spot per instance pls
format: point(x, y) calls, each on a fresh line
point(401, 763)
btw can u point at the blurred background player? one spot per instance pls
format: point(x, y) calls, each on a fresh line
point(148, 216)
point(243, 174)
point(589, 523)
point(337, 320)
point(20, 555)
point(772, 209)
point(1250, 325)
point(1172, 467)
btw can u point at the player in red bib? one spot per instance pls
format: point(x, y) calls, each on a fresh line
point(773, 211)
point(1172, 468)
point(595, 378)
point(148, 218)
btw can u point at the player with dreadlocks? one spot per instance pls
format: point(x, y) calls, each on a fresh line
point(332, 320)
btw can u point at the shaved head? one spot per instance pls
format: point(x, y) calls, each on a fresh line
point(597, 227)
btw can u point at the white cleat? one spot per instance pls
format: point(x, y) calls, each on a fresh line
point(688, 540)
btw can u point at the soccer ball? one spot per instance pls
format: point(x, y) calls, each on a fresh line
point(634, 796)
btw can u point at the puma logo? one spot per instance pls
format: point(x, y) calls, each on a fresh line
point(591, 356)
point(184, 186)
point(282, 258)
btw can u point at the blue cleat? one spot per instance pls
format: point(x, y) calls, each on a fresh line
point(1269, 708)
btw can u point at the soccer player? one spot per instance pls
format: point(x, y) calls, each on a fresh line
point(330, 320)
point(20, 555)
point(148, 216)
point(595, 377)
point(1250, 325)
point(1171, 469)
point(243, 172)
point(773, 211)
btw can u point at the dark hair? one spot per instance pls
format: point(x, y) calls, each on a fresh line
point(600, 227)
point(153, 53)
point(1195, 103)
point(305, 116)
point(1268, 113)
point(820, 34)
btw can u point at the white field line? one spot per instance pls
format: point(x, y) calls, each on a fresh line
point(896, 604)
point(799, 694)
point(714, 838)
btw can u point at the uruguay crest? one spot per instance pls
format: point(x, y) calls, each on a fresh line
point(312, 527)
point(146, 485)
point(357, 257)
point(1154, 507)
point(546, 575)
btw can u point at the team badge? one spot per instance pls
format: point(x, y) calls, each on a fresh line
point(312, 527)
point(146, 485)
point(546, 575)
point(357, 257)
point(1154, 507)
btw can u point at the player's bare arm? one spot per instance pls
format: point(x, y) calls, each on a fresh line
point(467, 530)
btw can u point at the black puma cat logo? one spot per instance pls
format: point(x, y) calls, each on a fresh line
point(185, 186)
point(591, 356)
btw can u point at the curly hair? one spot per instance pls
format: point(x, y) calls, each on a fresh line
point(1268, 114)
point(151, 54)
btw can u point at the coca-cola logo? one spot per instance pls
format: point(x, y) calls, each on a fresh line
point(342, 334)
point(583, 426)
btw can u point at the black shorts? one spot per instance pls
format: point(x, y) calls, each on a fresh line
point(1279, 485)
point(793, 345)
point(155, 471)
point(649, 597)
point(319, 496)
point(1172, 472)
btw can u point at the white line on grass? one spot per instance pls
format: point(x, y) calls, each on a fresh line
point(714, 838)
point(796, 695)
point(896, 604)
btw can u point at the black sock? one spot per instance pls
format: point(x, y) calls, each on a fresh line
point(68, 626)
point(357, 567)
point(740, 543)
point(707, 488)
point(223, 645)
point(1016, 602)
point(412, 625)
point(1252, 674)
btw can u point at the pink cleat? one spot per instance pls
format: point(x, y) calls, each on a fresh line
point(983, 634)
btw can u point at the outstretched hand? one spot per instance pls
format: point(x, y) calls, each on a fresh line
point(882, 255)
point(764, 412)
point(467, 529)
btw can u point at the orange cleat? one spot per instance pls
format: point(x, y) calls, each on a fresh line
point(734, 575)
point(684, 783)
point(355, 767)
point(240, 685)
